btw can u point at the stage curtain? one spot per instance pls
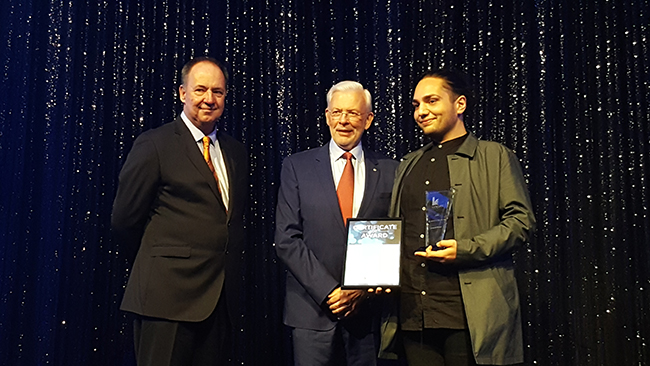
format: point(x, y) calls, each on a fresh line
point(565, 84)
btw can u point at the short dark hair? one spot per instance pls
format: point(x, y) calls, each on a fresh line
point(190, 64)
point(457, 81)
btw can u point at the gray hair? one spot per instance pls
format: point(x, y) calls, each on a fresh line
point(349, 85)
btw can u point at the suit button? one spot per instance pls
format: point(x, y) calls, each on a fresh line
point(423, 293)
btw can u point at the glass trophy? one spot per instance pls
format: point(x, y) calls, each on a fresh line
point(438, 208)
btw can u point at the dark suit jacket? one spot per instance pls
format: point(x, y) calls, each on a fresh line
point(310, 234)
point(168, 204)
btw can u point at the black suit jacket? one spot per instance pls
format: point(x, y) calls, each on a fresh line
point(168, 205)
point(310, 234)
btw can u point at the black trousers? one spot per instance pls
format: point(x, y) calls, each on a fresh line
point(161, 342)
point(438, 347)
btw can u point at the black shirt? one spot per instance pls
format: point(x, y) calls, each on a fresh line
point(431, 296)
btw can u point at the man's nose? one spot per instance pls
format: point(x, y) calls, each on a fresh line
point(422, 110)
point(209, 97)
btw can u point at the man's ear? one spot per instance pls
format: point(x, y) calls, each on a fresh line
point(461, 104)
point(328, 118)
point(181, 93)
point(369, 119)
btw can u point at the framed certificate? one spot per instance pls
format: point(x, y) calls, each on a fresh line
point(373, 253)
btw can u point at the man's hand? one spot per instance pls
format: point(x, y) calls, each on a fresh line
point(343, 303)
point(379, 290)
point(445, 255)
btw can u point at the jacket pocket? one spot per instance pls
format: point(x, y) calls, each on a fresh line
point(171, 251)
point(505, 279)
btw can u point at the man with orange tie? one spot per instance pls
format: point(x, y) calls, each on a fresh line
point(320, 189)
point(180, 201)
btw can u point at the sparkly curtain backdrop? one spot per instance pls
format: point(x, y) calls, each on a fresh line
point(564, 84)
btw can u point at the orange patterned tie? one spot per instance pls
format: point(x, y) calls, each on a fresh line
point(345, 190)
point(206, 155)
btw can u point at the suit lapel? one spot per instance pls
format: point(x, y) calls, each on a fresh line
point(323, 173)
point(372, 178)
point(403, 170)
point(186, 141)
point(231, 172)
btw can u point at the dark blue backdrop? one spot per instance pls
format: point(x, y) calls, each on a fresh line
point(564, 84)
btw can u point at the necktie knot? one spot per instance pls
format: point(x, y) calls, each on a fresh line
point(347, 155)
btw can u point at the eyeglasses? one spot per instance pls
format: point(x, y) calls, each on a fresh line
point(352, 115)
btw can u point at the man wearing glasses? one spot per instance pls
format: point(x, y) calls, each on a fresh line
point(320, 189)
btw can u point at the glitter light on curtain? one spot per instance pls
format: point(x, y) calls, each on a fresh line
point(564, 84)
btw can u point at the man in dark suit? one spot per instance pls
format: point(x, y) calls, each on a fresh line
point(330, 326)
point(181, 200)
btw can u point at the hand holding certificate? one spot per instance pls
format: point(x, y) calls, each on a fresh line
point(373, 253)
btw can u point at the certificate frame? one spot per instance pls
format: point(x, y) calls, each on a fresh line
point(373, 253)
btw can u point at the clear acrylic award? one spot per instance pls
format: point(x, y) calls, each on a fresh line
point(438, 208)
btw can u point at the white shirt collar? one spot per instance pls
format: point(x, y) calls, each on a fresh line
point(336, 151)
point(196, 133)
